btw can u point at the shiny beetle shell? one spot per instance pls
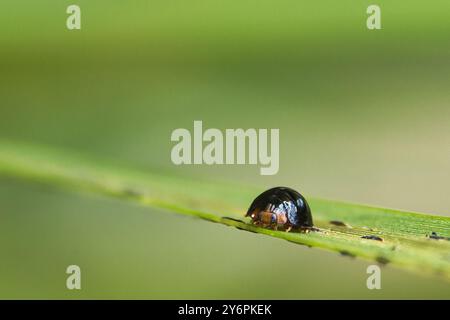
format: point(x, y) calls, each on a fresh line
point(281, 208)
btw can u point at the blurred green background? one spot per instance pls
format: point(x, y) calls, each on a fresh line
point(363, 115)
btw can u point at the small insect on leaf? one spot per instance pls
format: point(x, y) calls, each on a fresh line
point(281, 208)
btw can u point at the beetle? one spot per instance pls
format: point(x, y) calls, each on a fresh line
point(281, 208)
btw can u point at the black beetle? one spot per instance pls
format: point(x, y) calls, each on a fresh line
point(281, 207)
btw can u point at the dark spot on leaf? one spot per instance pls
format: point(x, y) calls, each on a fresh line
point(440, 272)
point(371, 237)
point(132, 193)
point(347, 253)
point(233, 219)
point(435, 236)
point(239, 228)
point(339, 223)
point(383, 260)
point(299, 243)
point(310, 229)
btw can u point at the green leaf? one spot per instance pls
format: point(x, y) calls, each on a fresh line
point(412, 241)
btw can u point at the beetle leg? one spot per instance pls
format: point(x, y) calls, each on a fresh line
point(289, 229)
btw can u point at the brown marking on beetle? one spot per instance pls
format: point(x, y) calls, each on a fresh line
point(266, 217)
point(372, 237)
point(281, 219)
point(435, 236)
point(339, 223)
